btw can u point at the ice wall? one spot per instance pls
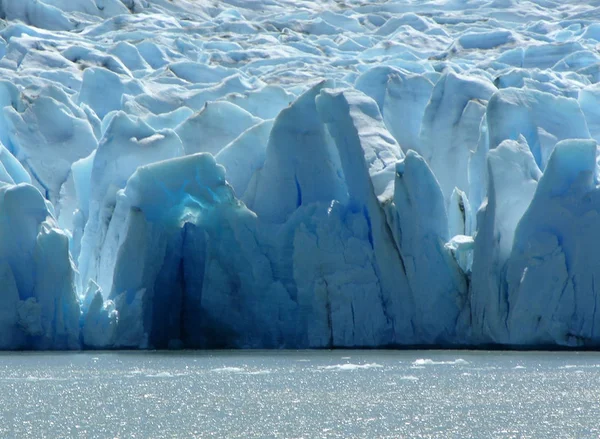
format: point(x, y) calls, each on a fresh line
point(267, 174)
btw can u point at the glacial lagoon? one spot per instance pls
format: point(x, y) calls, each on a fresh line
point(300, 394)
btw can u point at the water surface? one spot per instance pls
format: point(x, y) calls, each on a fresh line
point(308, 394)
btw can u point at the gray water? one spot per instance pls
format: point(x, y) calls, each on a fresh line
point(314, 394)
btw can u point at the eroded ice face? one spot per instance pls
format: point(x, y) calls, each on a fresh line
point(297, 174)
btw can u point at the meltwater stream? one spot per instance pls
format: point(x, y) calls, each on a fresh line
point(308, 394)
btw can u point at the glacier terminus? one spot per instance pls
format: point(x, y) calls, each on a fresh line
point(299, 174)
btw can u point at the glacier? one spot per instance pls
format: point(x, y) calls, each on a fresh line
point(277, 174)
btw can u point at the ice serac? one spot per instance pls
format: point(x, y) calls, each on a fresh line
point(265, 103)
point(302, 165)
point(245, 155)
point(10, 334)
point(367, 153)
point(54, 289)
point(62, 136)
point(404, 106)
point(213, 127)
point(478, 178)
point(512, 181)
point(102, 90)
point(41, 307)
point(450, 128)
point(421, 232)
point(146, 277)
point(11, 169)
point(589, 100)
point(551, 277)
point(336, 279)
point(36, 13)
point(459, 214)
point(189, 270)
point(127, 144)
point(543, 119)
point(98, 320)
point(374, 83)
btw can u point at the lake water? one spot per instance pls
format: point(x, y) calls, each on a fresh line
point(308, 394)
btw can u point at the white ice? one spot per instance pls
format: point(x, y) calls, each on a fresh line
point(178, 173)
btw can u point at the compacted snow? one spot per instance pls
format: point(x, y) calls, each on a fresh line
point(277, 173)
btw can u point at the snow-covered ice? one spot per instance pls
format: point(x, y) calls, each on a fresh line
point(277, 173)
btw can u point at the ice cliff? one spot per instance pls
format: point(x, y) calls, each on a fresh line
point(200, 174)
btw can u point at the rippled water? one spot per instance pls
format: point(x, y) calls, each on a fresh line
point(257, 394)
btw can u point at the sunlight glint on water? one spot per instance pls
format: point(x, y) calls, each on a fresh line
point(341, 394)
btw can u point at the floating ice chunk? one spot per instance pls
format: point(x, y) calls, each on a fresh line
point(430, 362)
point(350, 367)
point(228, 369)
